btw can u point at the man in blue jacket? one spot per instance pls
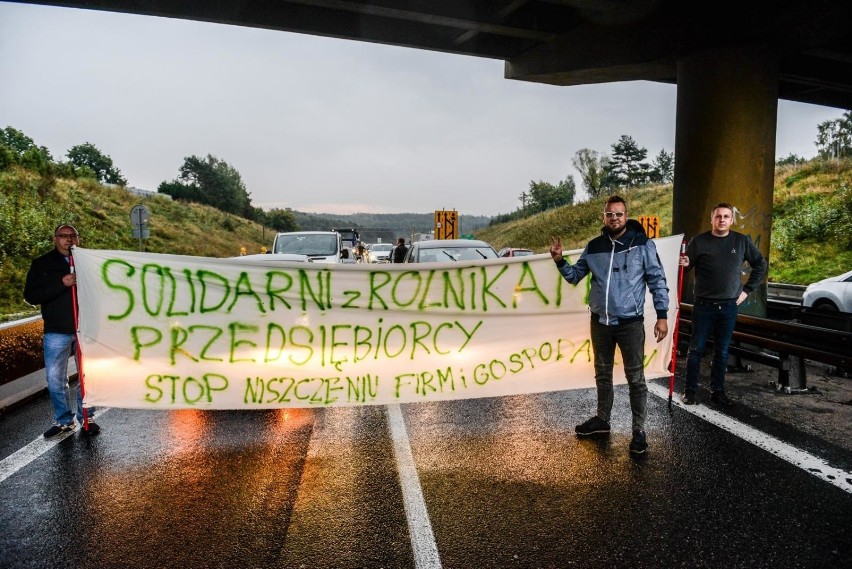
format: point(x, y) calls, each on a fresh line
point(49, 283)
point(623, 262)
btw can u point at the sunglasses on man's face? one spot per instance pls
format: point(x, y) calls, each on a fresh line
point(611, 214)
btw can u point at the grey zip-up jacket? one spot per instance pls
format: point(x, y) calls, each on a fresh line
point(621, 269)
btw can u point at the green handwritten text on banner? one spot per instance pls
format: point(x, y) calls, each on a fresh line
point(172, 332)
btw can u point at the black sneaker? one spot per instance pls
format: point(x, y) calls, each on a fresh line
point(93, 430)
point(58, 430)
point(719, 398)
point(638, 445)
point(688, 397)
point(594, 426)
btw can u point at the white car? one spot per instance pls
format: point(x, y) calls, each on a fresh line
point(320, 246)
point(833, 294)
point(379, 252)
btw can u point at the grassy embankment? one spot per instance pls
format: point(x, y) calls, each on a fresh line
point(32, 206)
point(812, 213)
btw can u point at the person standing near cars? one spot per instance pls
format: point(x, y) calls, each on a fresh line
point(623, 262)
point(49, 283)
point(398, 253)
point(717, 257)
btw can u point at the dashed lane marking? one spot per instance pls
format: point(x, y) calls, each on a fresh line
point(422, 539)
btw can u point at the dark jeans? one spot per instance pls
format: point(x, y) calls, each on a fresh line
point(630, 339)
point(720, 319)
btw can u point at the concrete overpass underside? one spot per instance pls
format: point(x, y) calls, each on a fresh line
point(731, 62)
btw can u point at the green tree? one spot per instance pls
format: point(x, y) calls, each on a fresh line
point(180, 191)
point(281, 220)
point(89, 156)
point(7, 158)
point(627, 166)
point(19, 142)
point(544, 195)
point(69, 170)
point(834, 137)
point(790, 160)
point(18, 148)
point(213, 182)
point(662, 168)
point(36, 159)
point(592, 167)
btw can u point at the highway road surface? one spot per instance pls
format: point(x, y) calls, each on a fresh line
point(485, 483)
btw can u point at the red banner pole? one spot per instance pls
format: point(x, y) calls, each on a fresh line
point(677, 323)
point(79, 352)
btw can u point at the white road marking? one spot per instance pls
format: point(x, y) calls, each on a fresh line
point(422, 539)
point(811, 464)
point(22, 457)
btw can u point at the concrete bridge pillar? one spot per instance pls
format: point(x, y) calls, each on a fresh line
point(727, 102)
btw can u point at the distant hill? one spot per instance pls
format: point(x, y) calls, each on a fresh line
point(385, 227)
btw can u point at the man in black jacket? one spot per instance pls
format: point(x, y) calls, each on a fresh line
point(397, 254)
point(718, 257)
point(49, 284)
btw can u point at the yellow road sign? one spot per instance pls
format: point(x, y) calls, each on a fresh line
point(651, 223)
point(446, 224)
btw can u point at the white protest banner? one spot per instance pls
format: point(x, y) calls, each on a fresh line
point(173, 332)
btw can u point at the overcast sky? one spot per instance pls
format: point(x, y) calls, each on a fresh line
point(319, 124)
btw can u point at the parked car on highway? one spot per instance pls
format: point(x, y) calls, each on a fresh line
point(833, 294)
point(379, 252)
point(449, 250)
point(514, 252)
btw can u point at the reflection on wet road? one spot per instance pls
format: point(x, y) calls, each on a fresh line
point(502, 482)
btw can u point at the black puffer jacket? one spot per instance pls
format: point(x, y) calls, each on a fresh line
point(44, 287)
point(398, 253)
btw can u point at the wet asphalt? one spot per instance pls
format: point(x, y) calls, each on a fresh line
point(505, 483)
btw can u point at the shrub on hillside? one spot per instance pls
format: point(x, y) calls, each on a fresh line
point(20, 350)
point(817, 217)
point(26, 218)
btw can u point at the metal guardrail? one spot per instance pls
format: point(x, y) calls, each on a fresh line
point(785, 292)
point(822, 319)
point(783, 345)
point(20, 322)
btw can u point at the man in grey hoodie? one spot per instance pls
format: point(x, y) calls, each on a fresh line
point(622, 262)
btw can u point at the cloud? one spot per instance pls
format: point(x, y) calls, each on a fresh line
point(314, 123)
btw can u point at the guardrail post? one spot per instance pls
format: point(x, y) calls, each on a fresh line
point(792, 366)
point(797, 369)
point(735, 361)
point(784, 373)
